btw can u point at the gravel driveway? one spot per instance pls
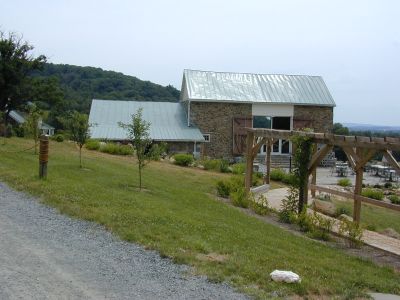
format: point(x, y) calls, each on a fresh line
point(45, 255)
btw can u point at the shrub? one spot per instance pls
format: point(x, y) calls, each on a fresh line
point(289, 178)
point(322, 227)
point(19, 131)
point(236, 183)
point(353, 231)
point(372, 193)
point(224, 166)
point(59, 138)
point(260, 205)
point(344, 182)
point(342, 210)
point(116, 149)
point(239, 198)
point(388, 185)
point(377, 186)
point(238, 168)
point(92, 145)
point(370, 227)
point(211, 164)
point(234, 188)
point(223, 188)
point(277, 174)
point(394, 199)
point(324, 197)
point(316, 226)
point(183, 159)
point(219, 165)
point(157, 151)
point(305, 221)
point(125, 150)
point(289, 206)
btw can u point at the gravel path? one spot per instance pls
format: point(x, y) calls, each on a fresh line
point(45, 255)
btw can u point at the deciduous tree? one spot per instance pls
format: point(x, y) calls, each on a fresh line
point(139, 135)
point(78, 126)
point(32, 124)
point(16, 64)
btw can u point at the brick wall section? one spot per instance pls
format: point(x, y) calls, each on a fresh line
point(319, 118)
point(216, 119)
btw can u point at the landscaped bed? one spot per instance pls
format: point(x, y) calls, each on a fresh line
point(177, 215)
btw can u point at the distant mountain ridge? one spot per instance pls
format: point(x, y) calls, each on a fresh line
point(82, 84)
point(370, 127)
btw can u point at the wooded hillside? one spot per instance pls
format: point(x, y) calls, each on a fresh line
point(81, 84)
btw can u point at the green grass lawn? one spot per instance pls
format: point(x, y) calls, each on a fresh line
point(379, 217)
point(178, 215)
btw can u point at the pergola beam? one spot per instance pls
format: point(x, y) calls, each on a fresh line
point(358, 149)
point(319, 156)
point(391, 160)
point(387, 143)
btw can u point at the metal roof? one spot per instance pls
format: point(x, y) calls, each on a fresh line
point(20, 119)
point(167, 120)
point(255, 88)
point(17, 117)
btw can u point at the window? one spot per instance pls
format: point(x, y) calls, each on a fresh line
point(206, 138)
point(262, 122)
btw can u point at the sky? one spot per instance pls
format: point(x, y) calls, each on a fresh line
point(354, 45)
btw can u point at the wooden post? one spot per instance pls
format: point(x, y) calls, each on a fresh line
point(305, 190)
point(43, 155)
point(358, 189)
point(314, 172)
point(268, 162)
point(249, 160)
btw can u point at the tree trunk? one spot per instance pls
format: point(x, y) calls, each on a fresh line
point(140, 177)
point(80, 156)
point(5, 123)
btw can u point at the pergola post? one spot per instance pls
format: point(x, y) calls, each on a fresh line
point(268, 162)
point(314, 173)
point(359, 150)
point(249, 160)
point(358, 187)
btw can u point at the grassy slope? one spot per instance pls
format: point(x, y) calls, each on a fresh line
point(178, 217)
point(380, 217)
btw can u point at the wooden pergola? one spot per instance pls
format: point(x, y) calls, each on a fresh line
point(358, 149)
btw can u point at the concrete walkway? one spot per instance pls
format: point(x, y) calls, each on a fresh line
point(370, 238)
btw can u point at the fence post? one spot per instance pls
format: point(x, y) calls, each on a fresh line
point(43, 155)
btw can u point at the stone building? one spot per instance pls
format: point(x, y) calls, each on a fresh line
point(215, 108)
point(221, 104)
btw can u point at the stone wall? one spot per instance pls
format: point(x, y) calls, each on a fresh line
point(216, 119)
point(319, 118)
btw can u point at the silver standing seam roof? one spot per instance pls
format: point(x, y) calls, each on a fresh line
point(167, 120)
point(210, 86)
point(20, 119)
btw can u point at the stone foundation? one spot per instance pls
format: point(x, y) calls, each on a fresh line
point(180, 147)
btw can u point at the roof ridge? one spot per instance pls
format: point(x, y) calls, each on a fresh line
point(249, 73)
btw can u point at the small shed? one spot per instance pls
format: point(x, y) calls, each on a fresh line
point(20, 118)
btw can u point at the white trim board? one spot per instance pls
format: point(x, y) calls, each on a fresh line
point(272, 110)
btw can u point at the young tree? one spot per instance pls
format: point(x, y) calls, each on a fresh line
point(16, 65)
point(32, 124)
point(138, 134)
point(78, 125)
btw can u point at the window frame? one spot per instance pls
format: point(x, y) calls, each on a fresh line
point(207, 137)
